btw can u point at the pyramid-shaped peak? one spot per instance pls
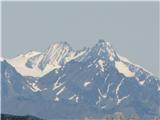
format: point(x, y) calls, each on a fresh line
point(62, 45)
point(104, 43)
point(104, 50)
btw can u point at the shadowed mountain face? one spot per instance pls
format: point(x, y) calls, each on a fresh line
point(91, 82)
point(14, 117)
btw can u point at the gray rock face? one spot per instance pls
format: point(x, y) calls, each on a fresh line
point(93, 85)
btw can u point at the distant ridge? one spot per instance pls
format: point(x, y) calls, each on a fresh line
point(16, 117)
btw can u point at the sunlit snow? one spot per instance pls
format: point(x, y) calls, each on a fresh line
point(123, 68)
point(101, 63)
point(86, 83)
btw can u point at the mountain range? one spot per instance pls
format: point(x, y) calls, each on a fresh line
point(63, 83)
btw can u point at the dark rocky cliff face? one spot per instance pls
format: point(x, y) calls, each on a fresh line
point(15, 117)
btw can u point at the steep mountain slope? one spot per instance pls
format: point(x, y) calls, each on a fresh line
point(106, 82)
point(37, 64)
point(19, 93)
point(92, 82)
point(12, 82)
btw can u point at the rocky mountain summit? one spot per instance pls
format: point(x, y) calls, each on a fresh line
point(62, 83)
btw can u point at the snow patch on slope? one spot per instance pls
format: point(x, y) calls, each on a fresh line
point(74, 97)
point(98, 101)
point(108, 87)
point(102, 95)
point(34, 87)
point(57, 84)
point(124, 59)
point(19, 63)
point(56, 99)
point(121, 99)
point(118, 86)
point(101, 63)
point(60, 91)
point(86, 83)
point(123, 68)
point(141, 82)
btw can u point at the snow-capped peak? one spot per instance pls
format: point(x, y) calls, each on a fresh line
point(103, 50)
point(59, 45)
point(38, 64)
point(55, 54)
point(109, 50)
point(104, 43)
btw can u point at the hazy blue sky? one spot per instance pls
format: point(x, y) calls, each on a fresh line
point(131, 27)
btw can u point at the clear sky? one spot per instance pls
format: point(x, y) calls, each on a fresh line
point(131, 27)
